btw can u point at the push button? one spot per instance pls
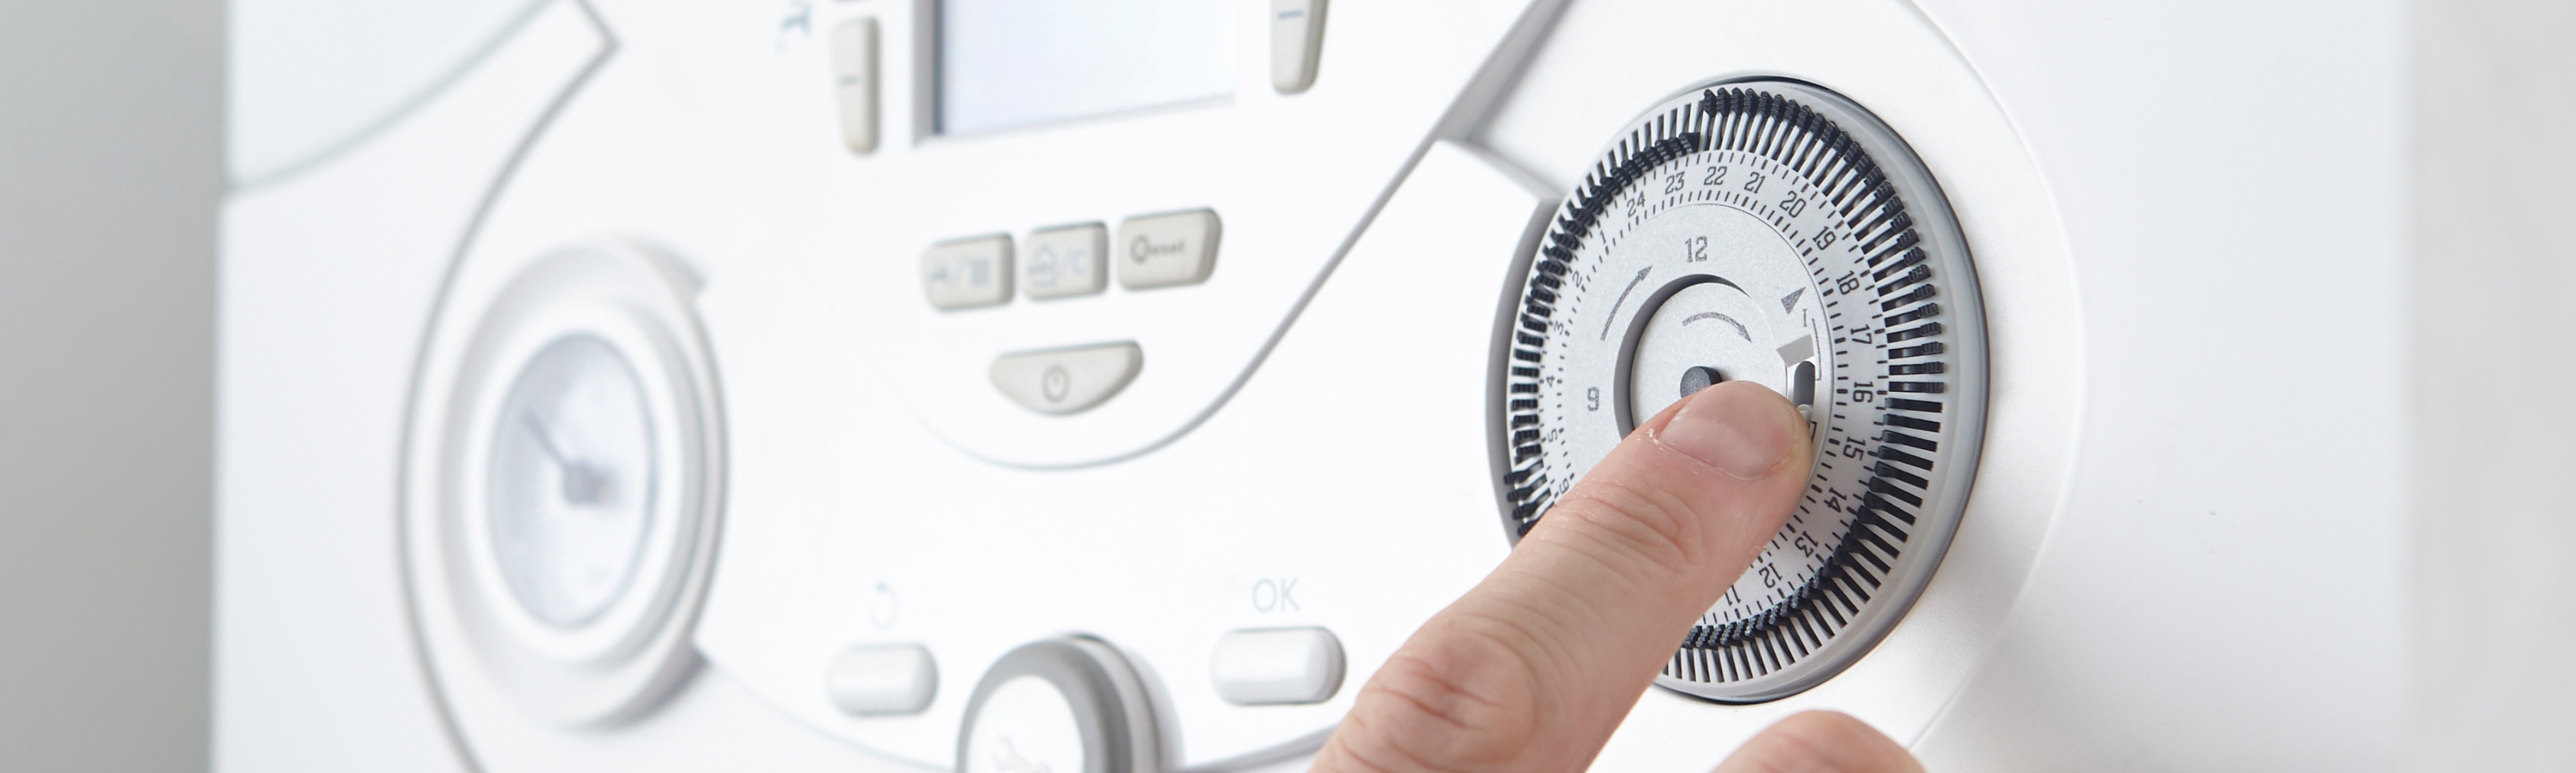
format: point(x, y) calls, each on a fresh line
point(1061, 381)
point(1269, 666)
point(967, 273)
point(1065, 262)
point(1296, 42)
point(854, 82)
point(883, 680)
point(1165, 250)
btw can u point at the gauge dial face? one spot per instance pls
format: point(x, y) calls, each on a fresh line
point(563, 484)
point(571, 481)
point(1773, 232)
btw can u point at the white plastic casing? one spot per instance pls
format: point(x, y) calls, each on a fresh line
point(1304, 445)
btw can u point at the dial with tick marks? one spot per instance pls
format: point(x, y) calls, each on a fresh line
point(1772, 231)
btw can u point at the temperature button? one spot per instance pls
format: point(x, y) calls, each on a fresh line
point(1071, 380)
point(1296, 37)
point(854, 82)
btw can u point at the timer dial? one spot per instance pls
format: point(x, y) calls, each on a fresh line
point(1771, 231)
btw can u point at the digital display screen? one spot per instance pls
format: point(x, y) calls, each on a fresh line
point(1010, 63)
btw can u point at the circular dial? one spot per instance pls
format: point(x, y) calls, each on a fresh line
point(1073, 704)
point(563, 481)
point(571, 481)
point(1766, 231)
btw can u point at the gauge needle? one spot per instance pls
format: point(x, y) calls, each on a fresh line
point(581, 484)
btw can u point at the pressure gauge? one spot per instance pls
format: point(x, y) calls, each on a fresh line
point(1771, 231)
point(570, 490)
point(564, 485)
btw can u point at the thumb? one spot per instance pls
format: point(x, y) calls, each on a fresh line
point(1534, 667)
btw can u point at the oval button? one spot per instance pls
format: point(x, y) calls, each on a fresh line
point(1070, 380)
point(1165, 250)
point(1277, 666)
point(883, 680)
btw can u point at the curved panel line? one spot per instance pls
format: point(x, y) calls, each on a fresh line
point(608, 47)
point(401, 112)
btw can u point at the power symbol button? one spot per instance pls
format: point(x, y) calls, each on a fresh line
point(1055, 384)
point(1068, 380)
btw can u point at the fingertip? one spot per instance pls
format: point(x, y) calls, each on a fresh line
point(1821, 742)
point(1739, 427)
point(1591, 603)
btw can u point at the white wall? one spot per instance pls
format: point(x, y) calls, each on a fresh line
point(110, 168)
point(2493, 563)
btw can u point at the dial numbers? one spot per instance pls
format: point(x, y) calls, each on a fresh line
point(1740, 235)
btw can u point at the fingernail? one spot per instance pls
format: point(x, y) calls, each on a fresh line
point(1733, 429)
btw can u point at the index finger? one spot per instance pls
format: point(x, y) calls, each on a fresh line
point(1533, 668)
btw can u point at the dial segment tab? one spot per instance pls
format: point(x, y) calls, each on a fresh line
point(1766, 231)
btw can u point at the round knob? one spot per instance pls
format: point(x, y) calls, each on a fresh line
point(1065, 705)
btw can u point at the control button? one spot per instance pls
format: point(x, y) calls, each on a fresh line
point(968, 272)
point(1070, 705)
point(854, 82)
point(1065, 262)
point(1061, 381)
point(1296, 42)
point(1166, 250)
point(882, 680)
point(1269, 666)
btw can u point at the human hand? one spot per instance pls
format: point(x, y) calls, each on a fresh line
point(1535, 666)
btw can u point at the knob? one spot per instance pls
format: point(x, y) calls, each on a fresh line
point(1072, 704)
